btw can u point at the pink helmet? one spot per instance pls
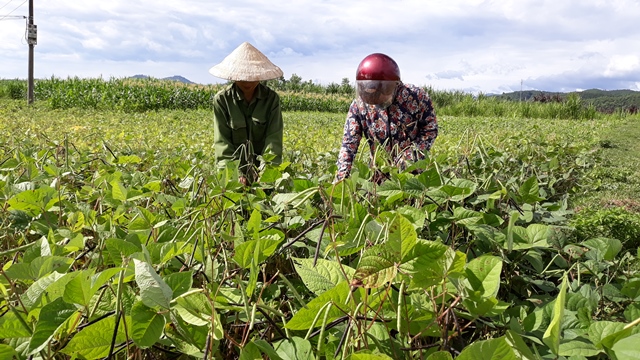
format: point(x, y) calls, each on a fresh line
point(378, 66)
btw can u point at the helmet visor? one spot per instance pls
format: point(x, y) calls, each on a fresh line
point(376, 92)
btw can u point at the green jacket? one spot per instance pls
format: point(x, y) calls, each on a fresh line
point(243, 130)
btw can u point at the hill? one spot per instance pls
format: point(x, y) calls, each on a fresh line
point(603, 100)
point(170, 78)
point(179, 78)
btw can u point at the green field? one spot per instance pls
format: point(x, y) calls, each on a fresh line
point(120, 238)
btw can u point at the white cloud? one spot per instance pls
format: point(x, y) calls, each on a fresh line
point(622, 64)
point(476, 45)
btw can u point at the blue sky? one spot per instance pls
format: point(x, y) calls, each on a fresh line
point(470, 45)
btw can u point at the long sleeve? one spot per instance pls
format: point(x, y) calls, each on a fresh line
point(427, 127)
point(222, 138)
point(350, 143)
point(274, 132)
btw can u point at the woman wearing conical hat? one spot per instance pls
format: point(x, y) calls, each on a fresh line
point(246, 114)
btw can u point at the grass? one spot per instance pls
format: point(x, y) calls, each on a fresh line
point(616, 180)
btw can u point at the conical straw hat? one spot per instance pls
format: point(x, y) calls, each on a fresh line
point(246, 63)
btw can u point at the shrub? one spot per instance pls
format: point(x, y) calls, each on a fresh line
point(613, 222)
point(13, 89)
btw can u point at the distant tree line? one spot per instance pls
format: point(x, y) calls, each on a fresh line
point(296, 84)
point(605, 101)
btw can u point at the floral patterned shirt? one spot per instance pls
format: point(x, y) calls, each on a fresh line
point(406, 129)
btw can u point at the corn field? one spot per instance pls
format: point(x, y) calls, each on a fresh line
point(139, 95)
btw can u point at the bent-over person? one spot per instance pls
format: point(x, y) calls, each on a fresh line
point(246, 114)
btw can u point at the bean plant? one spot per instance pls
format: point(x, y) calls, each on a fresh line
point(121, 238)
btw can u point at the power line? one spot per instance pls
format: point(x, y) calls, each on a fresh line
point(1, 7)
point(15, 17)
point(5, 16)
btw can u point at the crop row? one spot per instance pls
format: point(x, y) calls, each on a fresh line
point(138, 95)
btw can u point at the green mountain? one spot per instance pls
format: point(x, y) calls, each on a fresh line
point(179, 78)
point(603, 100)
point(171, 78)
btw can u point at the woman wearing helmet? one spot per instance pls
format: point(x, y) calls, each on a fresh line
point(246, 114)
point(397, 116)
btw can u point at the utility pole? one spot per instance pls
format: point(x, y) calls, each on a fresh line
point(32, 39)
point(520, 90)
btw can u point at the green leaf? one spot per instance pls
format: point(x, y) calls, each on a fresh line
point(586, 297)
point(402, 236)
point(627, 348)
point(270, 174)
point(253, 277)
point(440, 355)
point(538, 235)
point(11, 327)
point(194, 309)
point(465, 217)
point(45, 265)
point(153, 290)
point(267, 349)
point(534, 236)
point(303, 319)
point(118, 191)
point(611, 339)
point(324, 276)
point(601, 330)
point(529, 191)
point(494, 349)
point(602, 248)
point(32, 296)
point(179, 282)
point(479, 306)
point(245, 252)
point(632, 289)
point(632, 311)
point(553, 333)
point(51, 317)
point(430, 263)
point(217, 328)
point(377, 266)
point(128, 159)
point(119, 248)
point(367, 355)
point(430, 178)
point(174, 248)
point(101, 278)
point(94, 341)
point(147, 325)
point(144, 220)
point(78, 290)
point(578, 347)
point(250, 352)
point(34, 202)
point(459, 189)
point(483, 274)
point(295, 348)
point(519, 347)
point(7, 352)
point(20, 271)
point(253, 224)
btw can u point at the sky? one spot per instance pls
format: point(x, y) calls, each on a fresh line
point(476, 46)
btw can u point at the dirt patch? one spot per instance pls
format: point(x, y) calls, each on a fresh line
point(630, 205)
